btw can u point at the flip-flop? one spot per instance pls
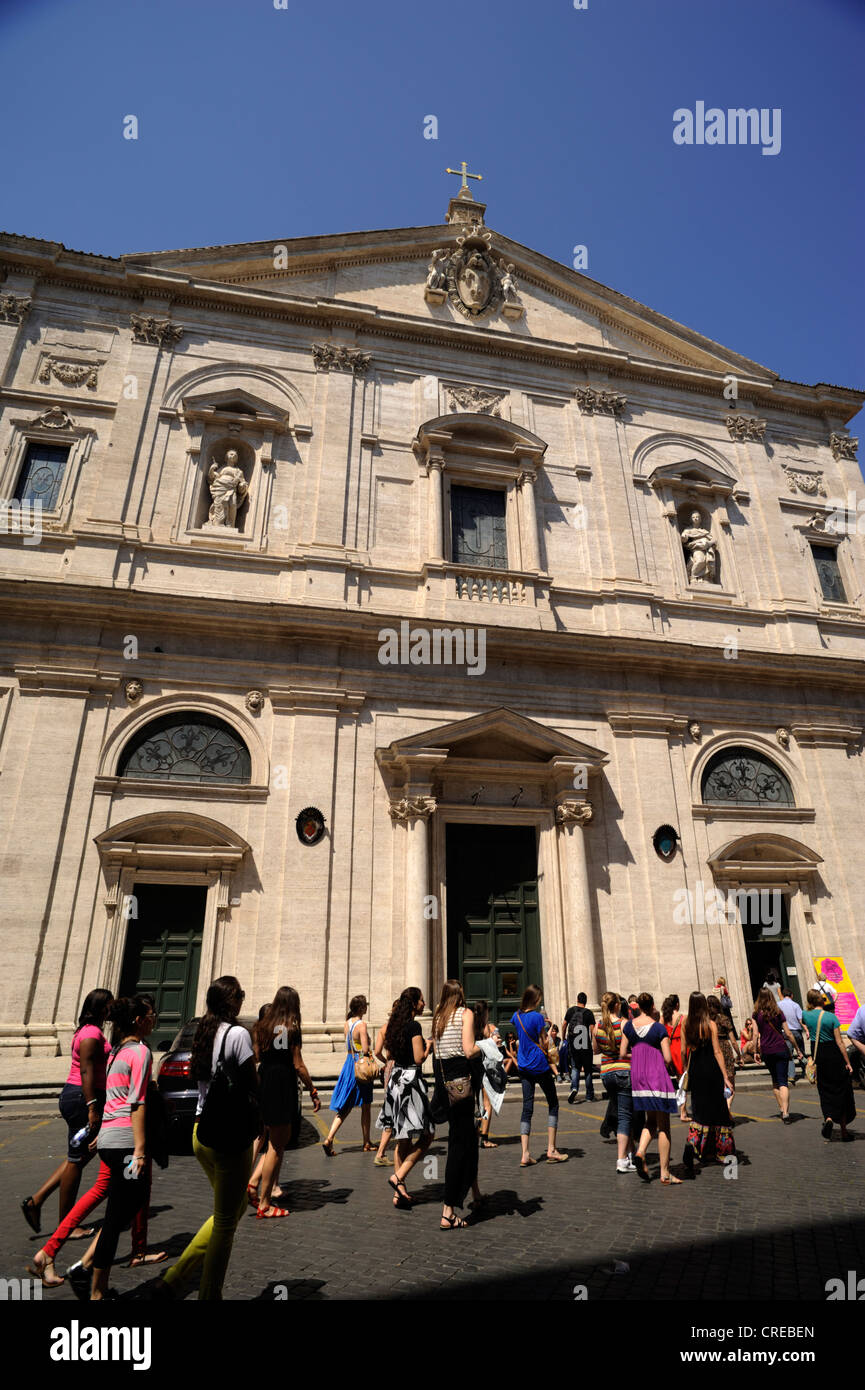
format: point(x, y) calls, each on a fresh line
point(557, 1158)
point(671, 1182)
point(641, 1167)
point(529, 1163)
point(328, 1148)
point(138, 1260)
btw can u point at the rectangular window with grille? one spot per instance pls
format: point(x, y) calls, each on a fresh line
point(42, 474)
point(829, 573)
point(478, 533)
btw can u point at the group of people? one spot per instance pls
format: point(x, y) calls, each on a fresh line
point(653, 1064)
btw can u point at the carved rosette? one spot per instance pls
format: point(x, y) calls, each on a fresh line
point(574, 813)
point(745, 427)
point(474, 398)
point(843, 446)
point(70, 373)
point(55, 419)
point(161, 333)
point(13, 308)
point(338, 357)
point(596, 402)
point(412, 808)
point(811, 484)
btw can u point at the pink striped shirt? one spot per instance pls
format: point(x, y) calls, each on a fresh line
point(128, 1075)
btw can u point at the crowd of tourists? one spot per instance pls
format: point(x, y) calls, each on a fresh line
point(656, 1066)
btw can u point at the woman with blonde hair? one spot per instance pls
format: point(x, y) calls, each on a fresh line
point(710, 1133)
point(453, 1040)
point(616, 1077)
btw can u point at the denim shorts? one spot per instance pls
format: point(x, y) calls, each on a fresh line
point(618, 1084)
point(777, 1069)
point(73, 1108)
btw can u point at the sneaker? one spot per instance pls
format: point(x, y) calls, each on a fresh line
point(623, 1166)
point(632, 1167)
point(572, 1097)
point(79, 1280)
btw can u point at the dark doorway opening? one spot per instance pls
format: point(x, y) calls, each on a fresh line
point(163, 952)
point(766, 928)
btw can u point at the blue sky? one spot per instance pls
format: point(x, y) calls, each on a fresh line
point(258, 123)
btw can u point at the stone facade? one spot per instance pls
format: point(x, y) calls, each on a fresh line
point(353, 393)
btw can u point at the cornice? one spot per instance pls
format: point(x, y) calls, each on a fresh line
point(58, 680)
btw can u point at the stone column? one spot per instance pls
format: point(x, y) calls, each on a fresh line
point(572, 817)
point(414, 813)
point(529, 528)
point(435, 470)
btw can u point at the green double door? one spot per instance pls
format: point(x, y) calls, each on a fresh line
point(163, 952)
point(494, 939)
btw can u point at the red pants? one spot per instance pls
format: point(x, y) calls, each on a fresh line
point(84, 1206)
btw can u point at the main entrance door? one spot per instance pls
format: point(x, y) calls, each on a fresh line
point(494, 940)
point(767, 942)
point(163, 951)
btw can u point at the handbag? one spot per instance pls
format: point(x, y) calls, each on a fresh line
point(230, 1118)
point(682, 1088)
point(366, 1069)
point(811, 1064)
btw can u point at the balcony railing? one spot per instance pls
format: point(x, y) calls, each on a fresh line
point(486, 586)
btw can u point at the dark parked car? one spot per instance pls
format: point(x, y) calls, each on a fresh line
point(179, 1091)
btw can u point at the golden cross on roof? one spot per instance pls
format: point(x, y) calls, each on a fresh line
point(465, 175)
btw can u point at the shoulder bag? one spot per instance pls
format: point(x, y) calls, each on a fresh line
point(811, 1064)
point(230, 1118)
point(544, 1051)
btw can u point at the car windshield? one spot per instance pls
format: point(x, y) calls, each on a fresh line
point(185, 1036)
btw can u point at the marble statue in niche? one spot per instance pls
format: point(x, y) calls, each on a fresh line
point(701, 552)
point(228, 490)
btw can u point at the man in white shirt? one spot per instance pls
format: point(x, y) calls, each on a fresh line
point(824, 987)
point(793, 1014)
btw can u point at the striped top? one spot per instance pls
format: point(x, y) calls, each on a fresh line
point(129, 1071)
point(609, 1048)
point(450, 1044)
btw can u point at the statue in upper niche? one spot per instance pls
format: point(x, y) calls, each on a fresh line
point(702, 552)
point(228, 488)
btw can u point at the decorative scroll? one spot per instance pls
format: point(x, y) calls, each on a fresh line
point(744, 777)
point(187, 747)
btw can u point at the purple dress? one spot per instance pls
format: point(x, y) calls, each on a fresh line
point(651, 1085)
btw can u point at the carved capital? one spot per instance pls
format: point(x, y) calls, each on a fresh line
point(745, 427)
point(338, 357)
point(412, 808)
point(574, 812)
point(596, 402)
point(161, 333)
point(843, 446)
point(13, 308)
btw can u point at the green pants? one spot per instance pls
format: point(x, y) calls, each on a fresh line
point(228, 1175)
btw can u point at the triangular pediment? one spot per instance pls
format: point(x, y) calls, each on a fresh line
point(385, 272)
point(499, 735)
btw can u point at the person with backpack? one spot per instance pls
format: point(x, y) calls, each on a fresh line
point(228, 1120)
point(578, 1029)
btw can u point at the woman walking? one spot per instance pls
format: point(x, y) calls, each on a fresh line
point(348, 1091)
point(220, 1043)
point(651, 1087)
point(774, 1036)
point(534, 1070)
point(727, 1042)
point(672, 1019)
point(81, 1102)
point(834, 1072)
point(616, 1079)
point(494, 1080)
point(122, 1139)
point(453, 1040)
point(277, 1040)
point(406, 1109)
point(710, 1133)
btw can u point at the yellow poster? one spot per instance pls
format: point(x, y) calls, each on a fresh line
point(834, 971)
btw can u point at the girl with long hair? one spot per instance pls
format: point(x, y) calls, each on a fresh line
point(348, 1091)
point(406, 1109)
point(616, 1079)
point(652, 1090)
point(727, 1042)
point(710, 1133)
point(227, 1172)
point(453, 1040)
point(127, 1077)
point(81, 1102)
point(672, 1019)
point(534, 1070)
point(774, 1035)
point(277, 1040)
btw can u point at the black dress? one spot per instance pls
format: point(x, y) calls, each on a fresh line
point(710, 1131)
point(278, 1081)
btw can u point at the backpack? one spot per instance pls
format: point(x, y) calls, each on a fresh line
point(579, 1032)
point(230, 1118)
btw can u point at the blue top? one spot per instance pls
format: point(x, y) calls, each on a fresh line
point(857, 1027)
point(530, 1057)
point(793, 1014)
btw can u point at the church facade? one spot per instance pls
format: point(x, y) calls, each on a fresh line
point(386, 606)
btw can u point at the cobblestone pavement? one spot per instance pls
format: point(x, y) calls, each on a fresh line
point(793, 1217)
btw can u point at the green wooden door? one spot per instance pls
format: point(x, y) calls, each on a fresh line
point(494, 939)
point(163, 952)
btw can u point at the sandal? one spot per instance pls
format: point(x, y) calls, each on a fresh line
point(252, 1196)
point(31, 1214)
point(488, 1144)
point(401, 1199)
point(327, 1145)
point(138, 1260)
point(85, 1233)
point(641, 1167)
point(368, 1148)
point(452, 1223)
point(271, 1213)
point(46, 1274)
point(528, 1162)
point(557, 1158)
point(383, 1162)
point(677, 1182)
